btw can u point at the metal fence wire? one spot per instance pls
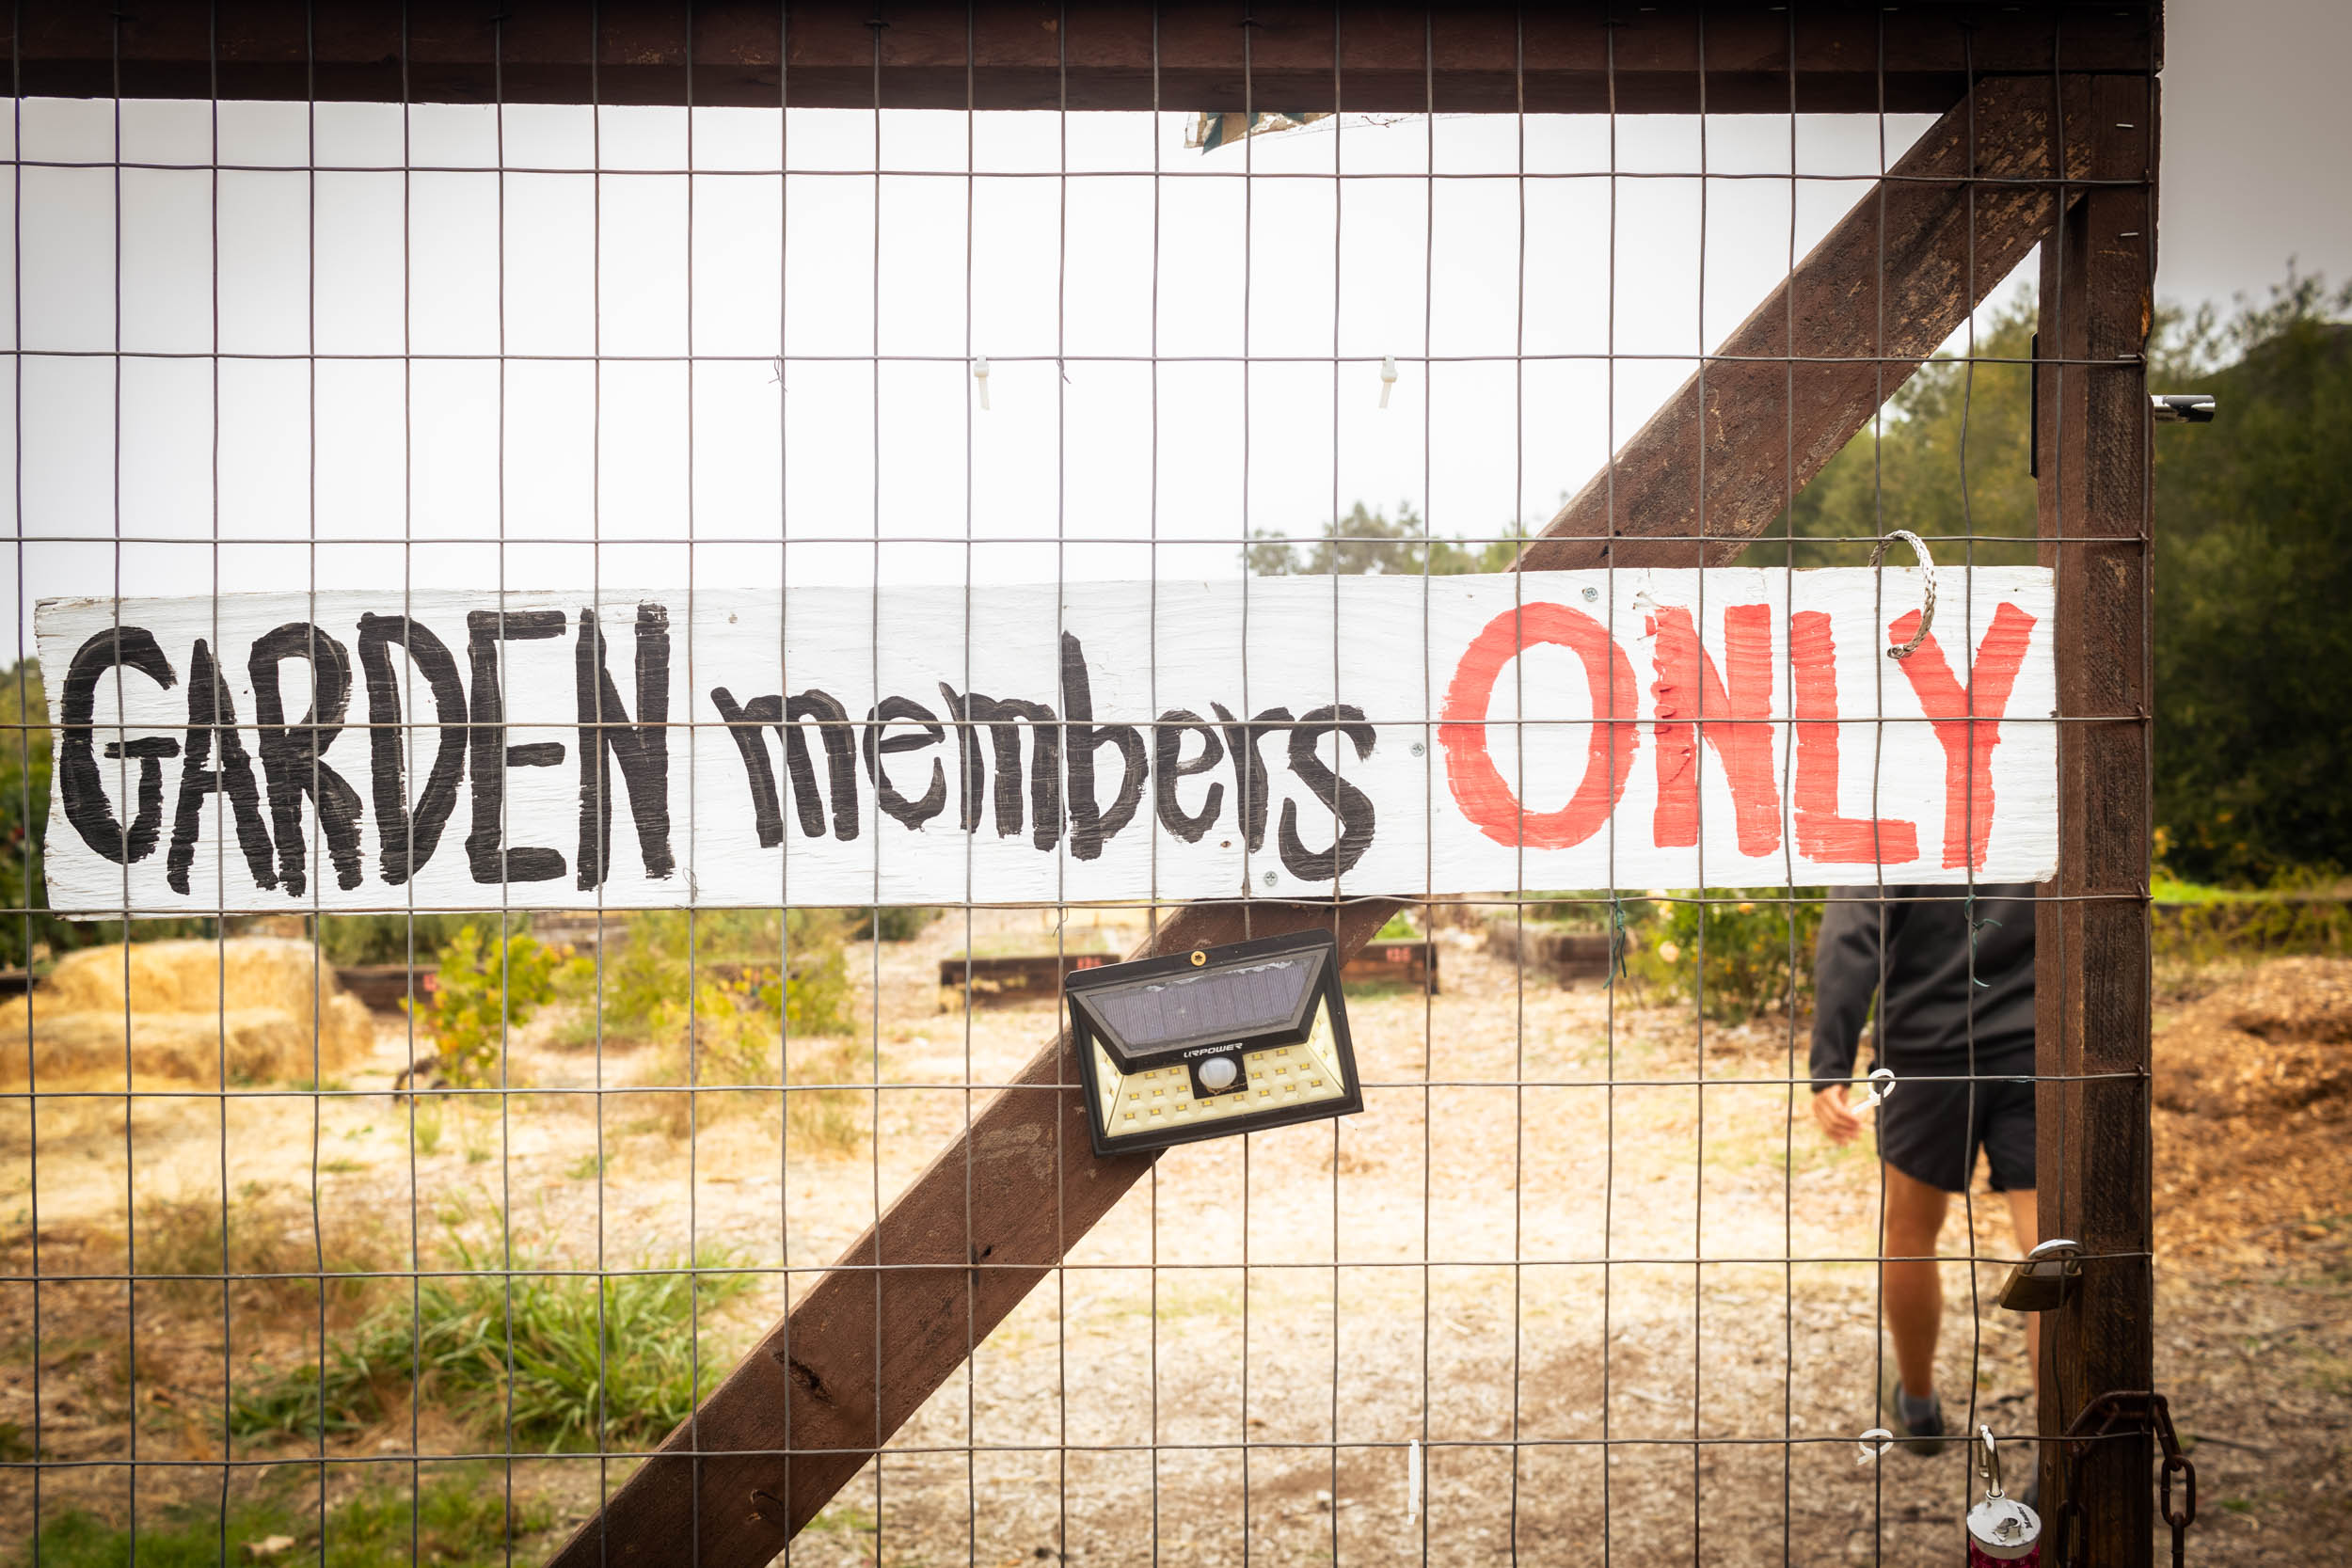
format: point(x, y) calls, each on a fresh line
point(383, 1233)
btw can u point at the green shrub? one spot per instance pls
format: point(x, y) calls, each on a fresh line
point(731, 959)
point(1748, 936)
point(459, 1517)
point(891, 922)
point(488, 984)
point(384, 939)
point(635, 1367)
point(2304, 912)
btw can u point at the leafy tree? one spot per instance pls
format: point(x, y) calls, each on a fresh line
point(1372, 543)
point(2253, 536)
point(2253, 518)
point(1950, 459)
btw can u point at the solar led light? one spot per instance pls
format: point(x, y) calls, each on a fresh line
point(1214, 1041)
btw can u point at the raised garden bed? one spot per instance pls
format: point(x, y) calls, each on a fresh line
point(1394, 961)
point(1563, 955)
point(382, 987)
point(1005, 979)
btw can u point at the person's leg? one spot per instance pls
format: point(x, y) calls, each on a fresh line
point(1912, 1287)
point(2024, 1219)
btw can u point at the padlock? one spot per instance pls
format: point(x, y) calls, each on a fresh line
point(2046, 1277)
point(2000, 1529)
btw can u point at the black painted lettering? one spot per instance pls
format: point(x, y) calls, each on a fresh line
point(405, 841)
point(642, 748)
point(904, 710)
point(1006, 720)
point(213, 724)
point(840, 741)
point(491, 756)
point(290, 761)
point(1250, 768)
point(745, 722)
point(1169, 766)
point(80, 780)
point(1350, 806)
point(971, 765)
point(1090, 826)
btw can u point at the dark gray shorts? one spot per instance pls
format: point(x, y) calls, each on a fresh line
point(1930, 1131)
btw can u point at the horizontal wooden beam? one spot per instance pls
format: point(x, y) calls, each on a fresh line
point(1828, 55)
point(1811, 365)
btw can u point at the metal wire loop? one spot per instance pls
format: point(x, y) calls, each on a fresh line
point(1927, 602)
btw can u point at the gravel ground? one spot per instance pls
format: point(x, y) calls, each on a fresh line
point(1283, 1318)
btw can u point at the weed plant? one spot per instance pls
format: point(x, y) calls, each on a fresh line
point(272, 1236)
point(620, 1351)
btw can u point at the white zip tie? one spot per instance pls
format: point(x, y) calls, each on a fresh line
point(1388, 378)
point(1868, 1453)
point(1882, 1086)
point(1412, 1480)
point(979, 374)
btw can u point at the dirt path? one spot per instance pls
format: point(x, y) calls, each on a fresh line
point(1252, 1340)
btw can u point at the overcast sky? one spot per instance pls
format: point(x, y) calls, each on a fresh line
point(1504, 396)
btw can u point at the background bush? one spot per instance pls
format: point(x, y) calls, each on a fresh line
point(1752, 947)
point(490, 982)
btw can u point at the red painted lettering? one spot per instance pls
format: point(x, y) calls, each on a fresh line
point(1688, 687)
point(1822, 835)
point(1478, 785)
point(1967, 721)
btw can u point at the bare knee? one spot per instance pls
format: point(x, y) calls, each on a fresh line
point(1915, 1216)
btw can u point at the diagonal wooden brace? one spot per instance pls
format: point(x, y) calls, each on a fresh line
point(1000, 1207)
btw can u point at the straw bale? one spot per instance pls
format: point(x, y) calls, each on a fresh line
point(188, 1009)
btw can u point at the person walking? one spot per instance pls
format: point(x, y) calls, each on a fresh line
point(1953, 984)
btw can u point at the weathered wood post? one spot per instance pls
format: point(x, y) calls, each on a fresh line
point(2092, 946)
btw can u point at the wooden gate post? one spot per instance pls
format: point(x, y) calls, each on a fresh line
point(2092, 947)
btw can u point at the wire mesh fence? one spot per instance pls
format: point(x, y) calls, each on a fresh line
point(355, 1216)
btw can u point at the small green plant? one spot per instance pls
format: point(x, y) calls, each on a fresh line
point(616, 1355)
point(490, 982)
point(428, 1125)
point(891, 922)
point(1399, 929)
point(458, 1519)
point(1756, 944)
point(828, 1120)
point(266, 1239)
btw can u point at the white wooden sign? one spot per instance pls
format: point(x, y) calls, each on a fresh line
point(1287, 737)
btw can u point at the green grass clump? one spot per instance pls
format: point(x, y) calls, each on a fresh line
point(458, 1519)
point(456, 1346)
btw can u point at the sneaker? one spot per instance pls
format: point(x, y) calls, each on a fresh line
point(1922, 1433)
